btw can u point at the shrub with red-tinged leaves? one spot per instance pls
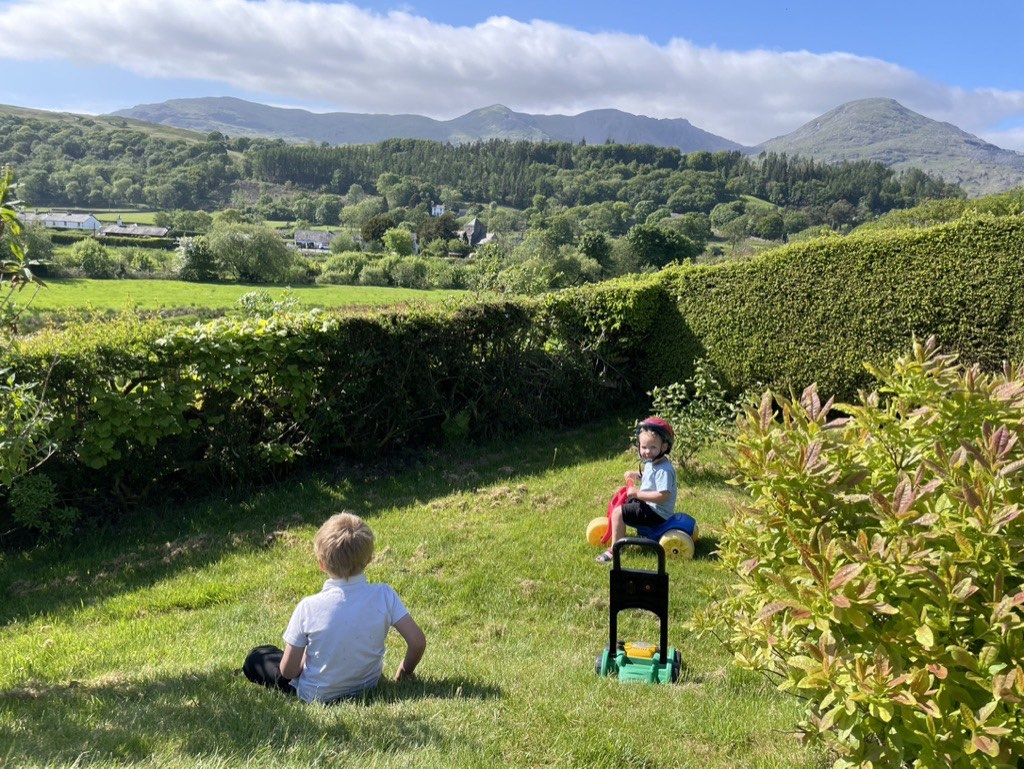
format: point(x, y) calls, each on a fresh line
point(880, 563)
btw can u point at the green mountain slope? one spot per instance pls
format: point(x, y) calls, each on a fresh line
point(886, 131)
point(158, 130)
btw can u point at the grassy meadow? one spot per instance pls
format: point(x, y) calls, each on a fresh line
point(67, 294)
point(122, 648)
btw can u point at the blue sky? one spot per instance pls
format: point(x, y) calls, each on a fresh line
point(747, 71)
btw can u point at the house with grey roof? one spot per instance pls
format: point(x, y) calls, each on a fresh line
point(132, 230)
point(473, 232)
point(62, 221)
point(313, 240)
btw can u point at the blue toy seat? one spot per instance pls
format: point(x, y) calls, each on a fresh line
point(681, 521)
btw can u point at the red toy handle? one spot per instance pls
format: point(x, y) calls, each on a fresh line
point(618, 498)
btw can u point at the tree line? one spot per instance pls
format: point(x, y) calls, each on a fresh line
point(82, 162)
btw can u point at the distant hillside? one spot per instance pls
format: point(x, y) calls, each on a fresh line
point(237, 117)
point(886, 131)
point(167, 131)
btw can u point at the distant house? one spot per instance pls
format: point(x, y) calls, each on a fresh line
point(473, 232)
point(437, 209)
point(132, 230)
point(313, 240)
point(63, 221)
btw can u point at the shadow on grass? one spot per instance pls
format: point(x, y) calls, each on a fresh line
point(706, 549)
point(159, 543)
point(700, 475)
point(219, 714)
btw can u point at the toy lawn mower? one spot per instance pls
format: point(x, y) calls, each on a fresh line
point(639, 589)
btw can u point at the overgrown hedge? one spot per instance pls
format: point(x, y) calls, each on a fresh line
point(144, 412)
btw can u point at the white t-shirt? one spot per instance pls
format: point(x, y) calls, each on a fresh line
point(342, 628)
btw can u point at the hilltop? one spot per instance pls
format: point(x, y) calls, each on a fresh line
point(886, 131)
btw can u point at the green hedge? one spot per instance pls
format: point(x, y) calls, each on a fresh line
point(70, 237)
point(816, 311)
point(127, 241)
point(142, 410)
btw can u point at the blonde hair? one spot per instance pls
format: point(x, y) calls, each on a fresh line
point(344, 545)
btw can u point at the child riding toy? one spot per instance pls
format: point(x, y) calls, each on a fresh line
point(647, 501)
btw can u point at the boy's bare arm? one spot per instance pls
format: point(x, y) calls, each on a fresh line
point(655, 497)
point(292, 661)
point(415, 643)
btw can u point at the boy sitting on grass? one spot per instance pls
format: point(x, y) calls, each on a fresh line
point(334, 642)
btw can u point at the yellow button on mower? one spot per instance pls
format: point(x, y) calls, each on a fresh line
point(638, 589)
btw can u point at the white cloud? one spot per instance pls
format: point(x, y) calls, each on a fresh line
point(1010, 139)
point(347, 59)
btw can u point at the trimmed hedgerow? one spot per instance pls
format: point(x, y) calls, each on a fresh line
point(813, 312)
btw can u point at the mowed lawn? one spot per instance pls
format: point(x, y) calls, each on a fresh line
point(123, 647)
point(67, 294)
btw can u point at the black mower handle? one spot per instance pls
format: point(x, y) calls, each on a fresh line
point(644, 544)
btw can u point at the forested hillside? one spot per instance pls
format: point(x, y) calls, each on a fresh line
point(74, 161)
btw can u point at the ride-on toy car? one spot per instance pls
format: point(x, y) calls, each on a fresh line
point(677, 534)
point(638, 589)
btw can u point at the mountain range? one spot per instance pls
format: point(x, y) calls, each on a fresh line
point(237, 117)
point(867, 129)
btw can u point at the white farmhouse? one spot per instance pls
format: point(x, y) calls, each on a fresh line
point(63, 221)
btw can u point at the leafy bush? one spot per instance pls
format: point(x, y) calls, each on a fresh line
point(147, 260)
point(880, 563)
point(35, 506)
point(343, 268)
point(25, 415)
point(447, 273)
point(698, 410)
point(410, 272)
point(374, 274)
point(196, 261)
point(260, 304)
point(249, 253)
point(94, 260)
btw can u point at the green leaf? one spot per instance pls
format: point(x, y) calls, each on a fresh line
point(925, 636)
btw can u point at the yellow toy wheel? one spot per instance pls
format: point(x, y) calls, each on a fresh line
point(678, 545)
point(596, 529)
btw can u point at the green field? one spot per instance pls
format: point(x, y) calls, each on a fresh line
point(123, 648)
point(128, 217)
point(67, 294)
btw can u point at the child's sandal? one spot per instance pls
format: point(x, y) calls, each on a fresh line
point(605, 557)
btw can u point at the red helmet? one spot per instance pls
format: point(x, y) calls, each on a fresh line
point(660, 427)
